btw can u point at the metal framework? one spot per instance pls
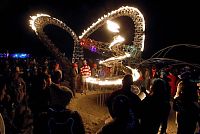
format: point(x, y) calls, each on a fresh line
point(39, 21)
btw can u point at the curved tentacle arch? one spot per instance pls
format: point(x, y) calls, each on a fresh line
point(169, 48)
point(168, 61)
point(159, 57)
point(131, 12)
point(38, 23)
point(138, 42)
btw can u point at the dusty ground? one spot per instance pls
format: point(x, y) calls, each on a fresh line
point(94, 113)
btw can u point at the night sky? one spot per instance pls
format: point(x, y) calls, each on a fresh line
point(168, 22)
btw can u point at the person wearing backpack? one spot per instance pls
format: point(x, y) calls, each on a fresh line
point(123, 106)
point(62, 120)
point(124, 120)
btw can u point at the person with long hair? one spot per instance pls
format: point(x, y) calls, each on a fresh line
point(154, 107)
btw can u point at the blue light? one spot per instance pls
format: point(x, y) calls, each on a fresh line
point(20, 55)
point(4, 55)
point(93, 49)
point(23, 56)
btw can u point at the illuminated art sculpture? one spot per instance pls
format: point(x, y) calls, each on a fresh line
point(125, 52)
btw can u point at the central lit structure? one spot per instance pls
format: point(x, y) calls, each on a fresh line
point(118, 51)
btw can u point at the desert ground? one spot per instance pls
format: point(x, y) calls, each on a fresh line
point(94, 112)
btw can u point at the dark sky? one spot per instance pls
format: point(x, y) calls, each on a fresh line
point(168, 22)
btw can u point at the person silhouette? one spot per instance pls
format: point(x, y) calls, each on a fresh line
point(186, 104)
point(123, 106)
point(154, 107)
point(127, 82)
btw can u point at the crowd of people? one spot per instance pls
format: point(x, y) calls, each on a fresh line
point(131, 115)
point(34, 96)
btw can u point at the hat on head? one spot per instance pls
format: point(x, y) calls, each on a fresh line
point(185, 75)
point(17, 69)
point(75, 65)
point(94, 65)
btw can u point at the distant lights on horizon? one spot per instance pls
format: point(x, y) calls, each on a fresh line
point(15, 55)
